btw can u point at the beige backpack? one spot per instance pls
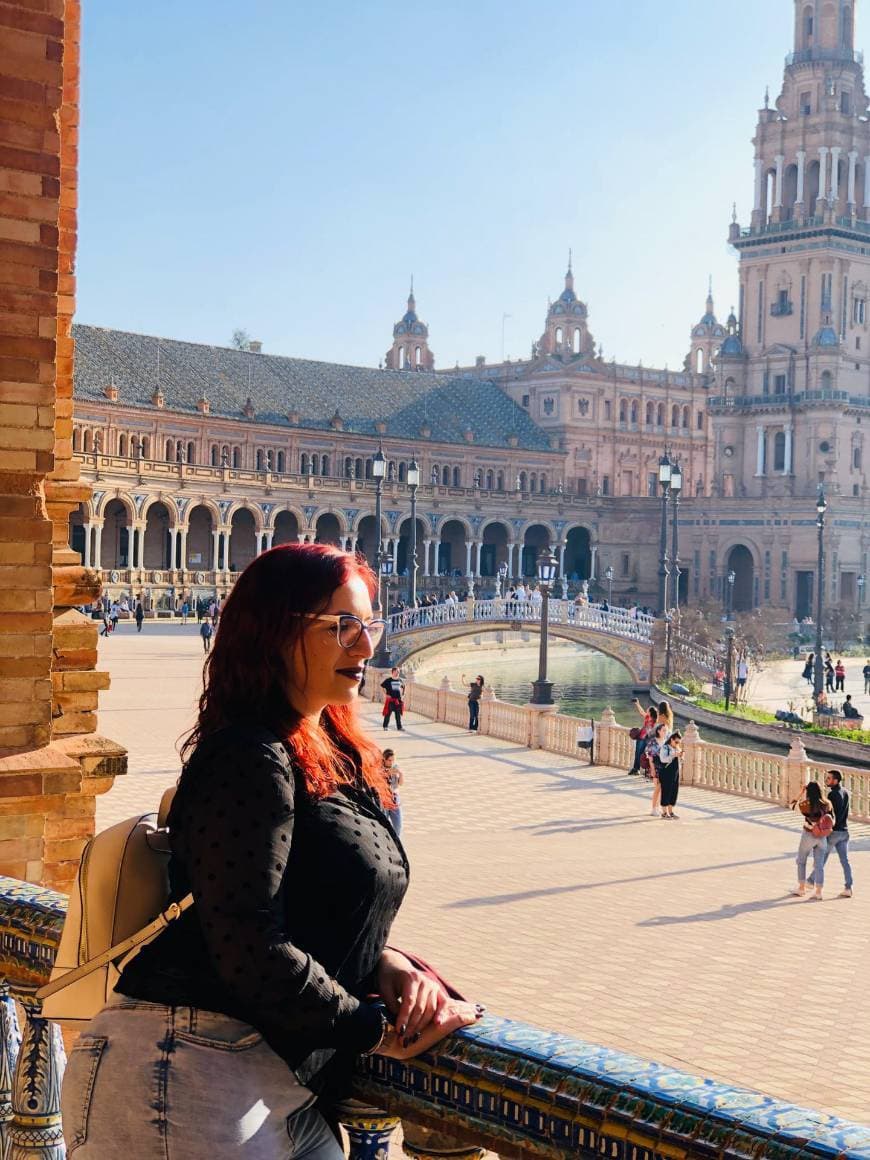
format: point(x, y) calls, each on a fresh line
point(122, 884)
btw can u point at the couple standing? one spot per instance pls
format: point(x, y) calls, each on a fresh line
point(825, 828)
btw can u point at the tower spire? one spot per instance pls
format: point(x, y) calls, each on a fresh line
point(569, 277)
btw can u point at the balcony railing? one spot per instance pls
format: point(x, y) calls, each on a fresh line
point(839, 55)
point(781, 309)
point(800, 399)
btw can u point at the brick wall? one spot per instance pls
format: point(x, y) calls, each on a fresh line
point(50, 768)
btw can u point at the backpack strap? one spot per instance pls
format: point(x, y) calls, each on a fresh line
point(146, 935)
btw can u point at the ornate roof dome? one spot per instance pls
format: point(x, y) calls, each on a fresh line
point(827, 336)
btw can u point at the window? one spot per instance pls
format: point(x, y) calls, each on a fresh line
point(608, 410)
point(675, 416)
point(324, 465)
point(626, 564)
point(524, 482)
point(660, 415)
point(650, 414)
point(146, 447)
point(500, 481)
point(191, 453)
point(525, 400)
point(635, 411)
point(549, 405)
point(582, 486)
point(856, 458)
point(859, 312)
point(533, 482)
point(699, 361)
point(122, 446)
point(779, 382)
point(279, 467)
point(348, 467)
point(605, 485)
point(577, 341)
point(303, 462)
point(686, 418)
point(445, 477)
point(827, 290)
point(699, 421)
point(215, 455)
point(845, 102)
point(779, 451)
point(806, 104)
point(237, 457)
point(490, 481)
point(652, 484)
point(623, 411)
point(457, 477)
point(558, 336)
point(827, 381)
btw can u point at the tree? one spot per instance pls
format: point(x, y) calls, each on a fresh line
point(241, 340)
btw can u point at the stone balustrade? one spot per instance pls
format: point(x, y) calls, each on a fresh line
point(499, 1086)
point(619, 622)
point(766, 777)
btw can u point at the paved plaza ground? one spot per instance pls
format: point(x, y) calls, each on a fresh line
point(545, 889)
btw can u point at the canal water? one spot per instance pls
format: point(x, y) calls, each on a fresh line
point(585, 682)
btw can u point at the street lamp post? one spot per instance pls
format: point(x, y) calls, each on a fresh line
point(861, 583)
point(542, 689)
point(385, 570)
point(608, 576)
point(676, 488)
point(501, 577)
point(413, 484)
point(668, 626)
point(729, 595)
point(379, 467)
point(665, 469)
point(729, 666)
point(819, 673)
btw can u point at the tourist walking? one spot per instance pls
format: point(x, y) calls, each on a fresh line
point(668, 766)
point(225, 1026)
point(641, 734)
point(809, 668)
point(206, 631)
point(394, 704)
point(838, 839)
point(742, 677)
point(107, 624)
point(395, 778)
point(475, 689)
point(185, 612)
point(140, 615)
point(653, 748)
point(829, 675)
point(114, 614)
point(866, 675)
point(818, 823)
point(840, 675)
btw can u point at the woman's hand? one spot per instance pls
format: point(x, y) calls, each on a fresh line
point(454, 1014)
point(416, 1002)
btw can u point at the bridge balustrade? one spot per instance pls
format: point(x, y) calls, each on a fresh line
point(614, 621)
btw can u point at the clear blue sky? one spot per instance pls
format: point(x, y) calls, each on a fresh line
point(284, 166)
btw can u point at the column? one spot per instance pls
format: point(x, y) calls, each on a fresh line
point(759, 459)
point(270, 536)
point(510, 560)
point(216, 550)
point(592, 565)
point(853, 173)
point(801, 175)
point(562, 548)
point(789, 446)
point(823, 172)
point(426, 545)
point(835, 173)
point(137, 548)
point(759, 177)
point(468, 547)
point(777, 195)
point(98, 545)
point(395, 550)
point(86, 555)
point(479, 548)
point(226, 536)
point(173, 541)
point(182, 549)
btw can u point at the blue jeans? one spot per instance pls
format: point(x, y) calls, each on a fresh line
point(839, 841)
point(177, 1083)
point(639, 747)
point(395, 817)
point(819, 849)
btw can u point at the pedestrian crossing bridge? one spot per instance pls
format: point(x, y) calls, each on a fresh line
point(619, 633)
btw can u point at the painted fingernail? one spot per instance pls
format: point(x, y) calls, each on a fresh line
point(416, 1037)
point(403, 1027)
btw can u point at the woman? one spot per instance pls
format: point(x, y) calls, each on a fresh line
point(653, 748)
point(840, 674)
point(221, 1030)
point(809, 667)
point(666, 716)
point(395, 779)
point(818, 816)
point(475, 689)
point(644, 733)
point(668, 766)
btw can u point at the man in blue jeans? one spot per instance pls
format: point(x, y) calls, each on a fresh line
point(838, 839)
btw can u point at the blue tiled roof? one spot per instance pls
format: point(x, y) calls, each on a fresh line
point(276, 385)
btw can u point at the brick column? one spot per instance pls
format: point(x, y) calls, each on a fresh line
point(51, 764)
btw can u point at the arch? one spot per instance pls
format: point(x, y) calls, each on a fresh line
point(418, 355)
point(543, 482)
point(660, 415)
point(524, 481)
point(457, 477)
point(76, 439)
point(77, 536)
point(170, 451)
point(329, 528)
point(304, 462)
point(635, 411)
point(286, 527)
point(741, 561)
point(495, 536)
point(259, 460)
point(789, 190)
point(856, 458)
point(324, 465)
point(490, 480)
point(201, 523)
point(811, 190)
point(156, 539)
point(403, 471)
point(281, 462)
point(237, 457)
point(686, 417)
point(578, 553)
point(807, 26)
point(244, 506)
point(215, 455)
point(369, 469)
point(454, 534)
point(533, 481)
point(122, 498)
point(445, 477)
point(403, 554)
point(558, 336)
point(171, 511)
point(535, 538)
point(88, 442)
point(191, 452)
point(699, 360)
point(122, 445)
point(623, 410)
point(577, 339)
point(115, 538)
point(675, 416)
point(358, 468)
point(243, 538)
point(499, 481)
point(826, 381)
point(146, 446)
point(650, 414)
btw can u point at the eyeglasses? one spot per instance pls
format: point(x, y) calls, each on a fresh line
point(349, 628)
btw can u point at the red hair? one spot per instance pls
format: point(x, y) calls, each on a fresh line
point(245, 675)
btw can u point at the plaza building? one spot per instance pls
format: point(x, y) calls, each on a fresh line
point(201, 456)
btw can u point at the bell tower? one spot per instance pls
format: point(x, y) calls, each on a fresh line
point(410, 350)
point(786, 423)
point(567, 330)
